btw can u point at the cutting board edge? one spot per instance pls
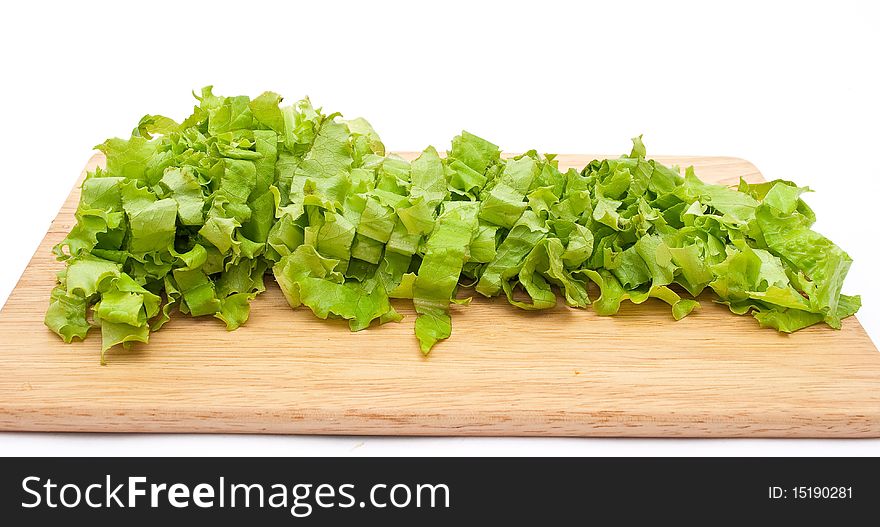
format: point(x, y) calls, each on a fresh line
point(484, 424)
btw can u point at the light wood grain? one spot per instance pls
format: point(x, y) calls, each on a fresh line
point(563, 372)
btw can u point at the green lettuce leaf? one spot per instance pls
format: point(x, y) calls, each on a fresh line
point(191, 216)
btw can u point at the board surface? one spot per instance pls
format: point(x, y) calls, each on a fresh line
point(564, 372)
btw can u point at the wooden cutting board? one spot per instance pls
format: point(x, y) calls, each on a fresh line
point(563, 372)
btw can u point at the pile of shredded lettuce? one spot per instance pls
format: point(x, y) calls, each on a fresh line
point(193, 215)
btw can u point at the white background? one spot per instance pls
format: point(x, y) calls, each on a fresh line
point(793, 87)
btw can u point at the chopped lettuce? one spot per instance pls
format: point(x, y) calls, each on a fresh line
point(192, 215)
